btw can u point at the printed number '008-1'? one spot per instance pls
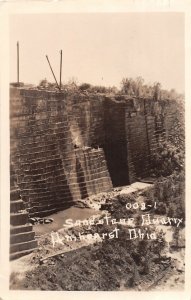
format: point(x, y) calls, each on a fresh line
point(141, 206)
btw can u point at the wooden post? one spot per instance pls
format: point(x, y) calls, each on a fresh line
point(18, 62)
point(60, 69)
point(52, 72)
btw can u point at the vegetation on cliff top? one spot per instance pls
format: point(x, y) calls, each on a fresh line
point(129, 86)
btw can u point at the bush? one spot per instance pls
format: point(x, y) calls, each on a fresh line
point(168, 159)
point(136, 87)
point(85, 86)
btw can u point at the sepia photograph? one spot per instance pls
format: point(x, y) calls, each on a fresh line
point(97, 151)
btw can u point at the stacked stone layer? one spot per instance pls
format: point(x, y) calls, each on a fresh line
point(52, 173)
point(22, 237)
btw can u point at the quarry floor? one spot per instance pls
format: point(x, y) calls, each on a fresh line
point(42, 270)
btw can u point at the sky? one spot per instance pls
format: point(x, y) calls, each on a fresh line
point(100, 48)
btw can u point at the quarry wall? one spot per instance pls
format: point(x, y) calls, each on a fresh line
point(51, 173)
point(68, 146)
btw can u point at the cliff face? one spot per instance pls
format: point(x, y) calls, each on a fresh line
point(65, 147)
point(52, 170)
